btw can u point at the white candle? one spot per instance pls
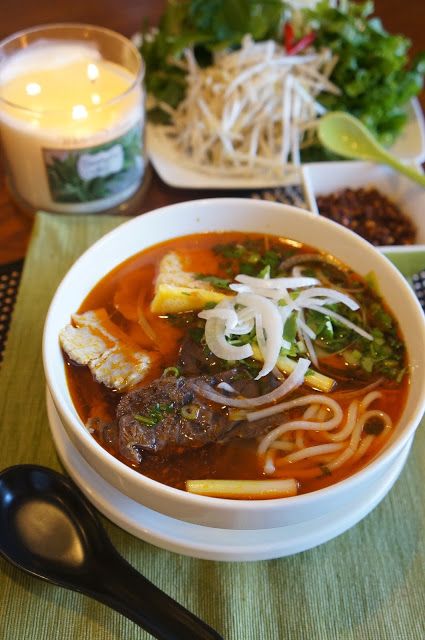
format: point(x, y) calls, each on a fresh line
point(71, 125)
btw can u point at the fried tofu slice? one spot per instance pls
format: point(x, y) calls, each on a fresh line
point(177, 291)
point(114, 360)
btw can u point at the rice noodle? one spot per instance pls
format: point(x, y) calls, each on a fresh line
point(269, 466)
point(309, 452)
point(292, 425)
point(348, 428)
point(346, 395)
point(355, 437)
point(347, 445)
point(369, 398)
point(297, 402)
point(299, 438)
point(362, 448)
point(283, 445)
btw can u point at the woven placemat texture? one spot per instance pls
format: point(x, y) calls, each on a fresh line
point(366, 584)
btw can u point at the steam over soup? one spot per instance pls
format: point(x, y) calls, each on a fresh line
point(237, 365)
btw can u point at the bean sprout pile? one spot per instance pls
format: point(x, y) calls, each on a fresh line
point(252, 110)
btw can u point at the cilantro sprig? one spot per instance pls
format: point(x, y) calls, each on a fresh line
point(372, 71)
point(154, 414)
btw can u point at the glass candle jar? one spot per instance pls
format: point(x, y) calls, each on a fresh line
point(72, 118)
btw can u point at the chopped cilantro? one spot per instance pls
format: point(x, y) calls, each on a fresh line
point(196, 333)
point(154, 414)
point(218, 283)
point(210, 305)
point(290, 329)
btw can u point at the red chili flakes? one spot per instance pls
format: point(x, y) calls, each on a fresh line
point(370, 214)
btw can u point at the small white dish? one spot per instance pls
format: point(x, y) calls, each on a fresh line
point(172, 167)
point(323, 178)
point(207, 542)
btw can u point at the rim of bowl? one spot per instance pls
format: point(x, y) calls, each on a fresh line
point(227, 504)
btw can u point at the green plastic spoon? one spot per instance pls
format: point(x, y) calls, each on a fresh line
point(345, 135)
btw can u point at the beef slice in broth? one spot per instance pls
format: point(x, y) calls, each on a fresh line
point(169, 416)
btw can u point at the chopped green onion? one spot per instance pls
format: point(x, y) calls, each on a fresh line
point(150, 422)
point(172, 371)
point(190, 411)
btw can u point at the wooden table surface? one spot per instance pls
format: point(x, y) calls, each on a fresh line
point(126, 16)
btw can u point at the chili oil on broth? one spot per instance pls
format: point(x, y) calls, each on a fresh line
point(127, 290)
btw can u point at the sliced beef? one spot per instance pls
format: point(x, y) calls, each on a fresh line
point(153, 418)
point(169, 416)
point(195, 358)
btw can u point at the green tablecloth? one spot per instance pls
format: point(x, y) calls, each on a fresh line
point(368, 583)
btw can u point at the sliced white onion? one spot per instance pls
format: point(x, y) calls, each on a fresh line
point(294, 380)
point(259, 303)
point(272, 325)
point(217, 343)
point(226, 387)
point(259, 333)
point(286, 298)
point(242, 328)
point(273, 294)
point(277, 283)
point(335, 296)
point(228, 315)
point(341, 319)
point(303, 326)
point(307, 335)
point(297, 272)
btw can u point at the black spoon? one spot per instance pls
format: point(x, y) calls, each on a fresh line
point(50, 530)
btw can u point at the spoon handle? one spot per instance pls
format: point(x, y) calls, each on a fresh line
point(121, 587)
point(410, 172)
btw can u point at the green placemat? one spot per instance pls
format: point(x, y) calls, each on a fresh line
point(368, 583)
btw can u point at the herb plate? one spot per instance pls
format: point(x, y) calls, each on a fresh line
point(172, 167)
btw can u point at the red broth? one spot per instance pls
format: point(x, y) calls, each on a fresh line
point(128, 289)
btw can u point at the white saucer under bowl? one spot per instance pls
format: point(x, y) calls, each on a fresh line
point(208, 542)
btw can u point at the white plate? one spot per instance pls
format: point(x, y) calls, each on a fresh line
point(169, 163)
point(207, 542)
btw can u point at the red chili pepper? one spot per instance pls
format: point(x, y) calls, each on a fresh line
point(288, 36)
point(302, 44)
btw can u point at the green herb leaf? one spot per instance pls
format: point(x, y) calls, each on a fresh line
point(218, 283)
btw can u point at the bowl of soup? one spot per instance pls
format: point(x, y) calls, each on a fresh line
point(236, 363)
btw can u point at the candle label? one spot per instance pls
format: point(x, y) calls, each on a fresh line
point(95, 173)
